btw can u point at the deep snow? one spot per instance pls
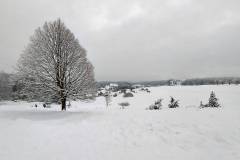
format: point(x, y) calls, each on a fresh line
point(90, 131)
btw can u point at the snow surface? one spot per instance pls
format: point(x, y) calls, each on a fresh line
point(90, 131)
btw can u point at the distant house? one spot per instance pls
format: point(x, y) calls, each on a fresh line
point(111, 86)
point(173, 82)
point(178, 82)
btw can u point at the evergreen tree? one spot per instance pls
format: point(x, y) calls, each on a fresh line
point(213, 101)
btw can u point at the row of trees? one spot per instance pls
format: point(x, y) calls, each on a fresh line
point(54, 66)
point(212, 81)
point(195, 81)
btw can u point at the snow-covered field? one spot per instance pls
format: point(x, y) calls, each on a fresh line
point(93, 132)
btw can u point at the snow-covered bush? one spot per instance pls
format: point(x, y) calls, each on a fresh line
point(145, 89)
point(123, 104)
point(173, 103)
point(213, 100)
point(151, 107)
point(148, 91)
point(128, 94)
point(157, 105)
point(203, 105)
point(100, 94)
point(47, 105)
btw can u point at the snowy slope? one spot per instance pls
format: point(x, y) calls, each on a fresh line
point(93, 132)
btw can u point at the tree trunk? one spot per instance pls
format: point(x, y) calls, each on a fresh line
point(63, 102)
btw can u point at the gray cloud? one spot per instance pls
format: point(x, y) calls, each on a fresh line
point(135, 40)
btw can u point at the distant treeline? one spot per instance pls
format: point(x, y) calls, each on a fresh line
point(10, 89)
point(212, 81)
point(194, 81)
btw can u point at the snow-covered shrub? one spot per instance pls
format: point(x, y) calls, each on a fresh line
point(203, 105)
point(213, 100)
point(47, 105)
point(100, 94)
point(173, 103)
point(151, 107)
point(128, 94)
point(157, 105)
point(123, 104)
point(145, 89)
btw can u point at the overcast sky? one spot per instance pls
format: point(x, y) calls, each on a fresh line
point(134, 39)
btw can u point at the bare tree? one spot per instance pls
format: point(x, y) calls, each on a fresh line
point(54, 65)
